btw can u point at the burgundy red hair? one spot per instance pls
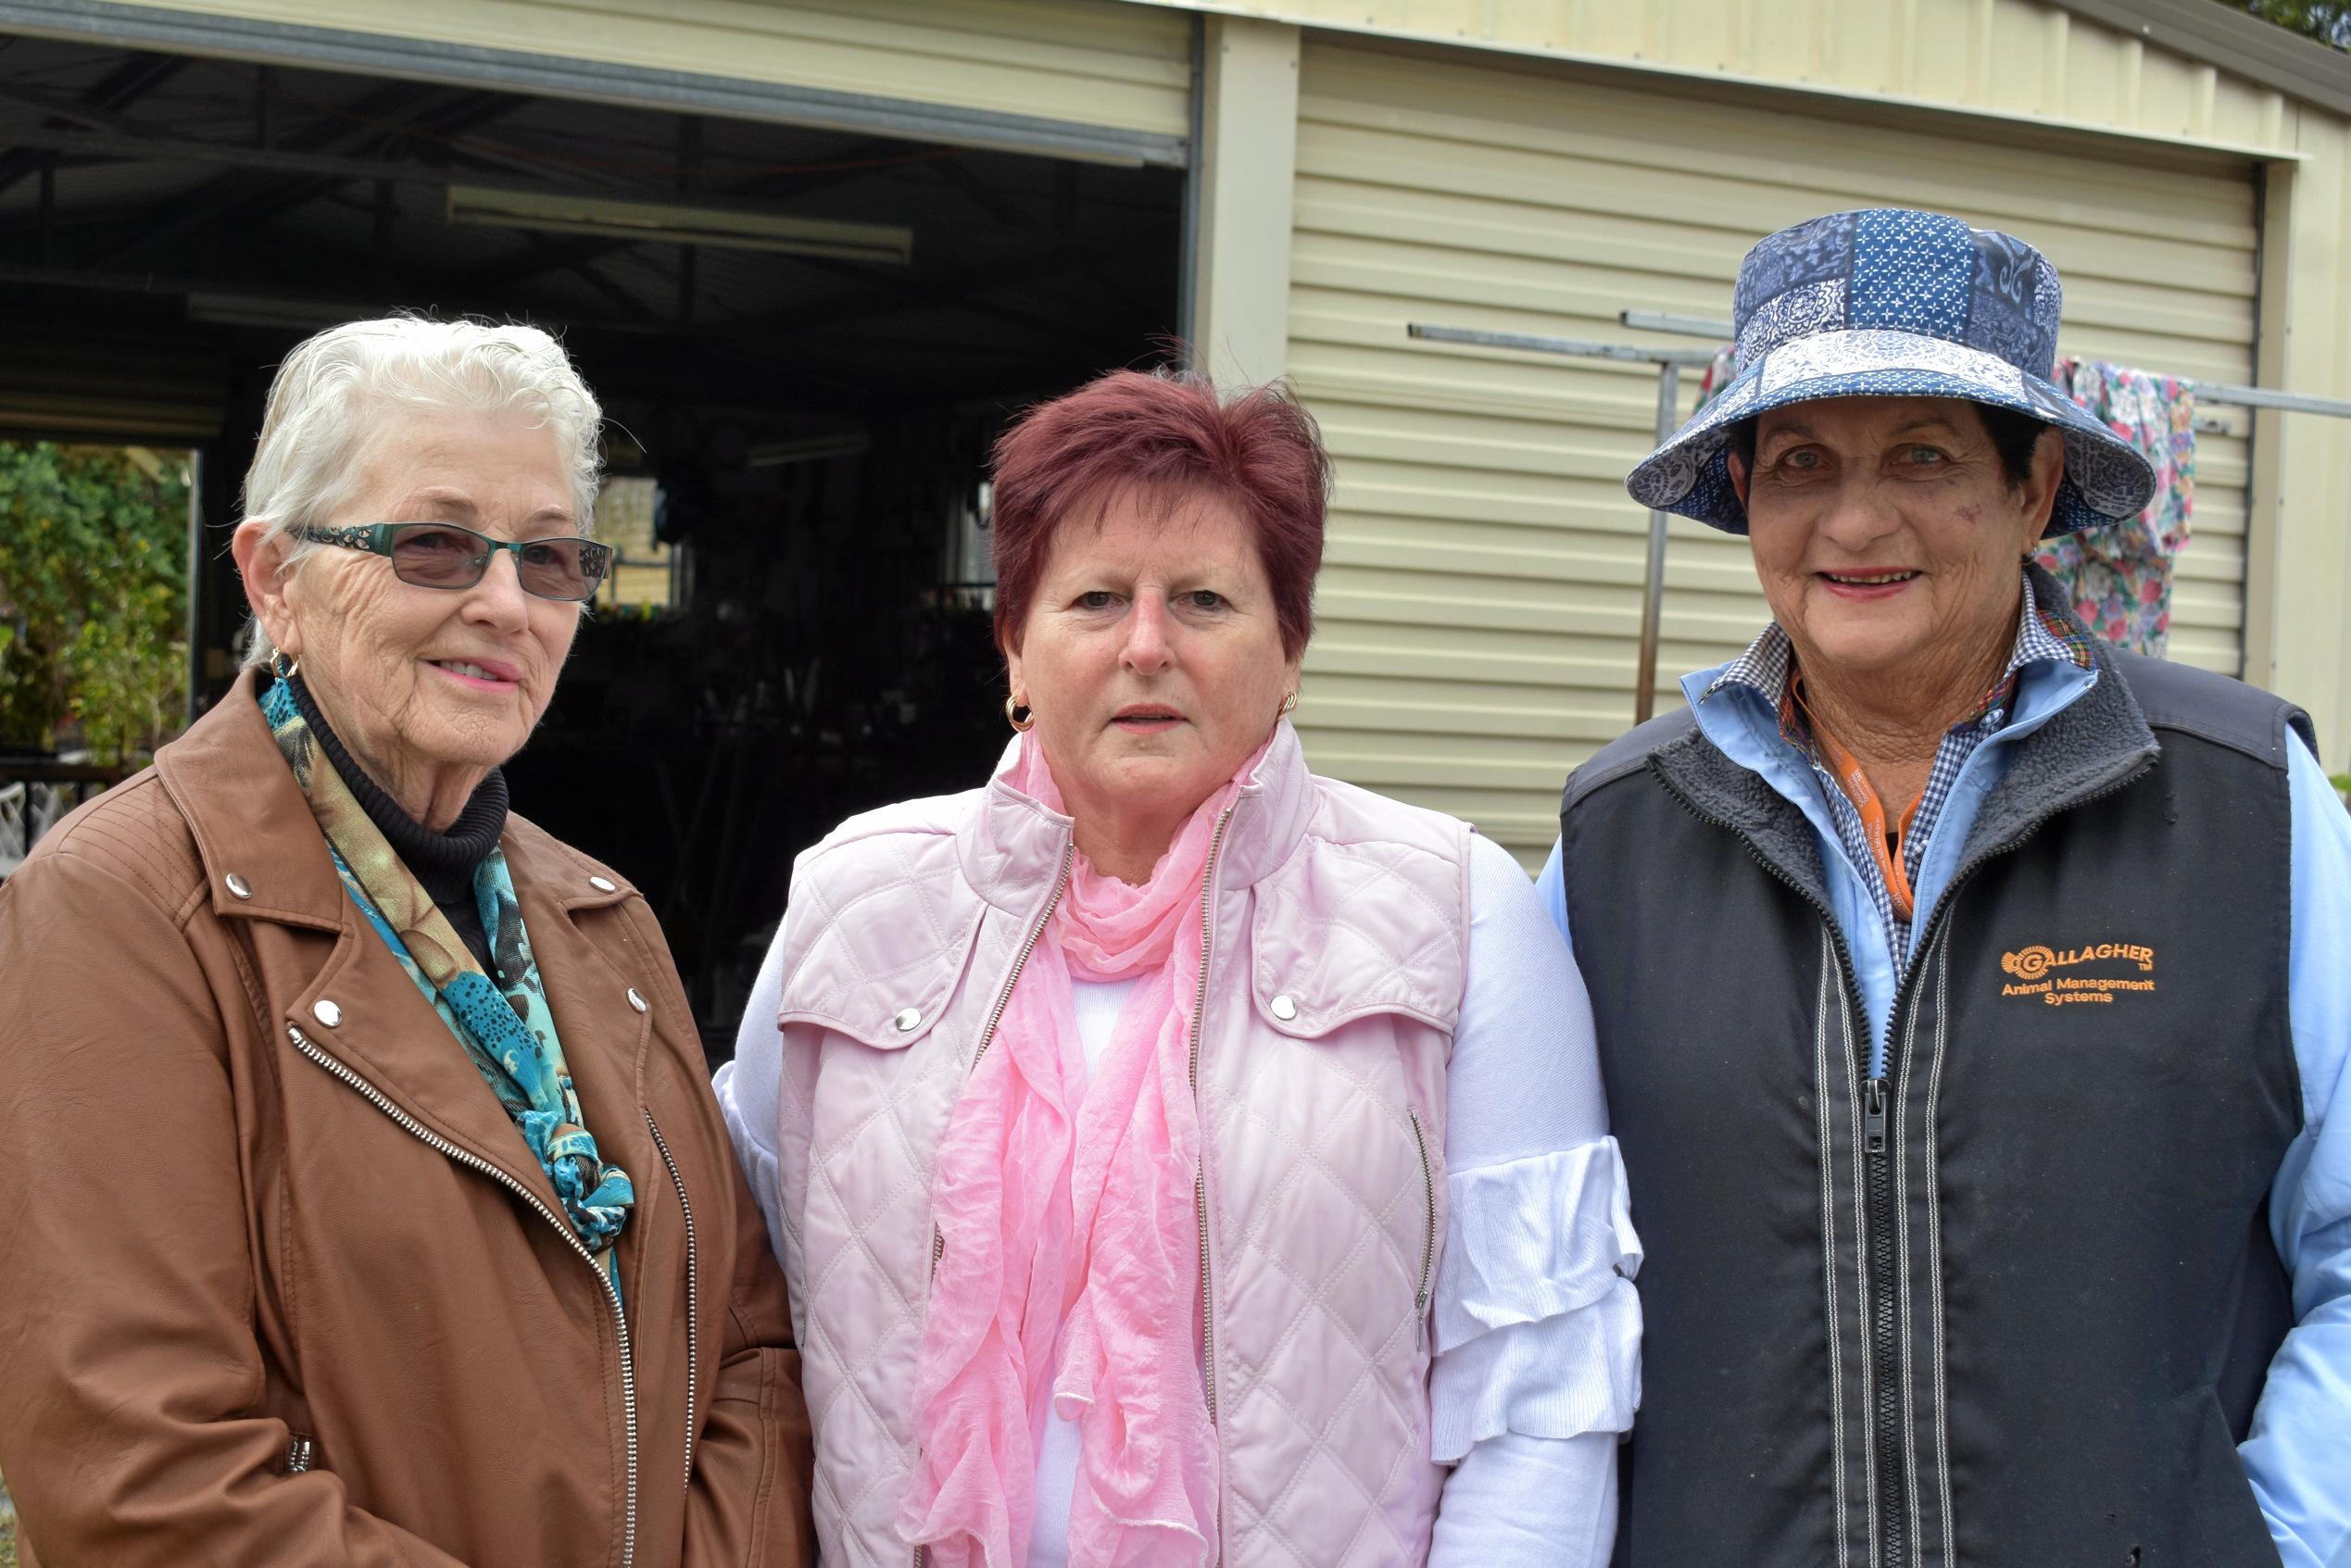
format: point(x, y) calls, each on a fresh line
point(1168, 435)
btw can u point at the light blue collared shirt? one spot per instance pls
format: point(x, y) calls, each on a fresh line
point(2302, 1428)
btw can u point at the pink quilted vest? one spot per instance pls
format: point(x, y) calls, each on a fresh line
point(1337, 922)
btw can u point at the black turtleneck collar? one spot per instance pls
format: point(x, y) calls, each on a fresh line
point(443, 862)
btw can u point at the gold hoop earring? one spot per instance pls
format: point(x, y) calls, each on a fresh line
point(283, 667)
point(1289, 705)
point(1018, 714)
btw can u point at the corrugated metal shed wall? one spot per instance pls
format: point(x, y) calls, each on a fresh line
point(1076, 61)
point(1480, 611)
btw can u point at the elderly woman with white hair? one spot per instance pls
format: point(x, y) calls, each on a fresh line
point(363, 1195)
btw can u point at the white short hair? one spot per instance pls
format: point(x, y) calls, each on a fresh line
point(333, 390)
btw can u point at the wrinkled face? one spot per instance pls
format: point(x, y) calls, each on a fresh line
point(1152, 655)
point(1885, 530)
point(416, 679)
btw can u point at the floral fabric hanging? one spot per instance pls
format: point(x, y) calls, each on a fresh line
point(2119, 578)
point(1718, 374)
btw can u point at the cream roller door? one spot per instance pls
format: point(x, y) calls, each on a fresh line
point(1075, 77)
point(1479, 611)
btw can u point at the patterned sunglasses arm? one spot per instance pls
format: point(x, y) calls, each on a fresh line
point(366, 536)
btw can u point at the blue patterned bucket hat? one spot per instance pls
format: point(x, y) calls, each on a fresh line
point(1891, 303)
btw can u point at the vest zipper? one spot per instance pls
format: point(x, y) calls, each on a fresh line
point(988, 1036)
point(301, 1453)
point(692, 1293)
point(1428, 1232)
point(1200, 1176)
point(433, 1140)
point(1877, 1146)
point(1887, 1415)
point(1894, 1543)
point(1036, 934)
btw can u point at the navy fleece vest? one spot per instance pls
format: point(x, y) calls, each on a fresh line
point(2012, 1305)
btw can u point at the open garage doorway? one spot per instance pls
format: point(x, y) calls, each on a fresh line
point(806, 339)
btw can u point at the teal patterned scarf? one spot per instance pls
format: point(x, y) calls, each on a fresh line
point(510, 1035)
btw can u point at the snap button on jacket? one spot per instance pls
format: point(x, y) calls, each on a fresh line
point(283, 1283)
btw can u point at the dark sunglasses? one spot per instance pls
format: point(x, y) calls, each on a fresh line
point(442, 555)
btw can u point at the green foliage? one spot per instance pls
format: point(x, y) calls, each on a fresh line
point(2328, 21)
point(93, 583)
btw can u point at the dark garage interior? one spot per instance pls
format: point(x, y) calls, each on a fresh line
point(804, 338)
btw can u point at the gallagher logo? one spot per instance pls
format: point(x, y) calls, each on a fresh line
point(2032, 968)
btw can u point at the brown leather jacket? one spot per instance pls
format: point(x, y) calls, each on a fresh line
point(279, 1281)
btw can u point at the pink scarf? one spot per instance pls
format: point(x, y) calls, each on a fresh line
point(1067, 1213)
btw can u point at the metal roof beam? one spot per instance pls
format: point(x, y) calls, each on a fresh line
point(69, 142)
point(158, 147)
point(118, 89)
point(87, 281)
point(227, 200)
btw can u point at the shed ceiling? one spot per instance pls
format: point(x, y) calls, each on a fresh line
point(211, 208)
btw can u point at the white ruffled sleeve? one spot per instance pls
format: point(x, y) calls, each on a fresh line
point(1538, 1329)
point(1536, 1320)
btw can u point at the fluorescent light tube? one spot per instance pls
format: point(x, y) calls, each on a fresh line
point(680, 225)
point(263, 310)
point(809, 449)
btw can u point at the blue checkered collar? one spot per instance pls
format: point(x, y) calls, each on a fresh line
point(1764, 668)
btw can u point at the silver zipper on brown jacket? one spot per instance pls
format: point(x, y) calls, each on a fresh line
point(474, 1162)
point(692, 1293)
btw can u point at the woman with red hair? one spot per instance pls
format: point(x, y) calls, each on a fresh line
point(1182, 1158)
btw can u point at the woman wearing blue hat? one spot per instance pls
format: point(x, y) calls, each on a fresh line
point(1969, 992)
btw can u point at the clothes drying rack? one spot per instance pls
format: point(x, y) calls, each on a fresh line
point(1670, 363)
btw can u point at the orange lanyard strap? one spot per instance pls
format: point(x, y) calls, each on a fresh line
point(1889, 848)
